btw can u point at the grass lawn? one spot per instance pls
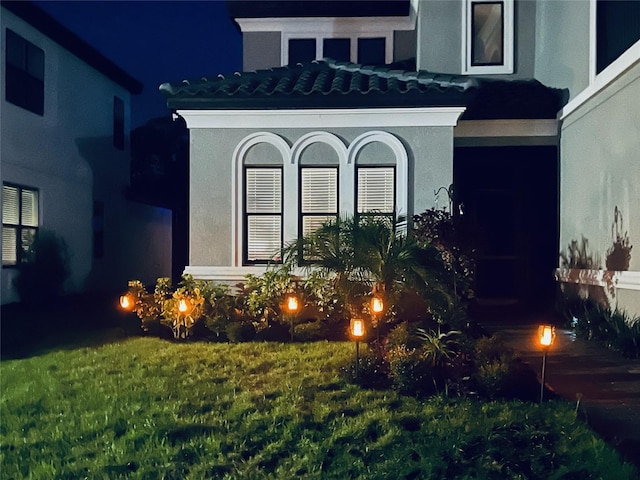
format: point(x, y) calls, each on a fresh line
point(153, 409)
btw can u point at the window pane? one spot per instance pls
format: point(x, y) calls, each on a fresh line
point(10, 205)
point(337, 48)
point(9, 245)
point(30, 208)
point(319, 190)
point(311, 223)
point(487, 34)
point(376, 190)
point(302, 50)
point(371, 51)
point(35, 61)
point(263, 190)
point(264, 237)
point(16, 50)
point(27, 236)
point(617, 28)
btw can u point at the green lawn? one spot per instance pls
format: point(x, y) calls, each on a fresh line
point(148, 408)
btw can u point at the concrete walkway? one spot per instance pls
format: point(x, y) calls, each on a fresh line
point(606, 384)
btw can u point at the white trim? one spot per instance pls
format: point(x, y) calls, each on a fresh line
point(324, 118)
point(508, 40)
point(329, 25)
point(237, 187)
point(617, 68)
point(291, 181)
point(624, 280)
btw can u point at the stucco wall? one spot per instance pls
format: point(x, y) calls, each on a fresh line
point(260, 50)
point(68, 154)
point(600, 174)
point(212, 187)
point(562, 44)
point(439, 37)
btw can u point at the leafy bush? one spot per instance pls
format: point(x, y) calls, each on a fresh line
point(43, 270)
point(410, 371)
point(612, 328)
point(240, 332)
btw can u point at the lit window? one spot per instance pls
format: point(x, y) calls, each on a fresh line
point(375, 192)
point(20, 219)
point(24, 74)
point(488, 36)
point(263, 214)
point(318, 197)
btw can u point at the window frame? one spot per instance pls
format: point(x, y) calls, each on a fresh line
point(508, 39)
point(24, 87)
point(21, 247)
point(246, 216)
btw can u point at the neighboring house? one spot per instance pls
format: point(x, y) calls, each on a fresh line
point(276, 151)
point(65, 158)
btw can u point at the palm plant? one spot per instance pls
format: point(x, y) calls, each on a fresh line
point(374, 252)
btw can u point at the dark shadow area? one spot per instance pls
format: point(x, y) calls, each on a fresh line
point(70, 321)
point(619, 254)
point(510, 201)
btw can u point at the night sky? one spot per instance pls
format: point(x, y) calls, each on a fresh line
point(156, 41)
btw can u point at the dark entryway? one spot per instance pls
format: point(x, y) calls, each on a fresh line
point(509, 197)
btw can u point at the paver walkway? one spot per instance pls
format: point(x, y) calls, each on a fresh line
point(606, 383)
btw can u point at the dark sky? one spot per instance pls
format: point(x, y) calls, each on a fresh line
point(155, 41)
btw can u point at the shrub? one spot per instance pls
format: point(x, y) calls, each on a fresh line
point(410, 371)
point(43, 270)
point(311, 331)
point(240, 332)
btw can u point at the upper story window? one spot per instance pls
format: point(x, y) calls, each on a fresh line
point(366, 51)
point(20, 220)
point(617, 29)
point(118, 123)
point(488, 36)
point(24, 73)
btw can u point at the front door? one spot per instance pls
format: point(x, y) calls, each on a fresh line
point(509, 198)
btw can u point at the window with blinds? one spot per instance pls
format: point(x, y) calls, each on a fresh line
point(20, 220)
point(263, 214)
point(318, 197)
point(375, 190)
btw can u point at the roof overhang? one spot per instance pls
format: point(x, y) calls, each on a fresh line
point(334, 118)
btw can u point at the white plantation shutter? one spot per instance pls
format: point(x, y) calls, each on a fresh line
point(9, 245)
point(264, 190)
point(263, 208)
point(319, 190)
point(376, 190)
point(10, 205)
point(311, 224)
point(29, 210)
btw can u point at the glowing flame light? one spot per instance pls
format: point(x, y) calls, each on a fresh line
point(125, 302)
point(182, 306)
point(357, 327)
point(292, 303)
point(377, 305)
point(546, 333)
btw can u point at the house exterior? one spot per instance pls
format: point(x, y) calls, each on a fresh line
point(301, 140)
point(65, 158)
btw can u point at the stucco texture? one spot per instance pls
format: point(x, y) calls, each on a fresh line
point(600, 176)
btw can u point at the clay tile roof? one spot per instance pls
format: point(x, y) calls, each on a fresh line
point(330, 84)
